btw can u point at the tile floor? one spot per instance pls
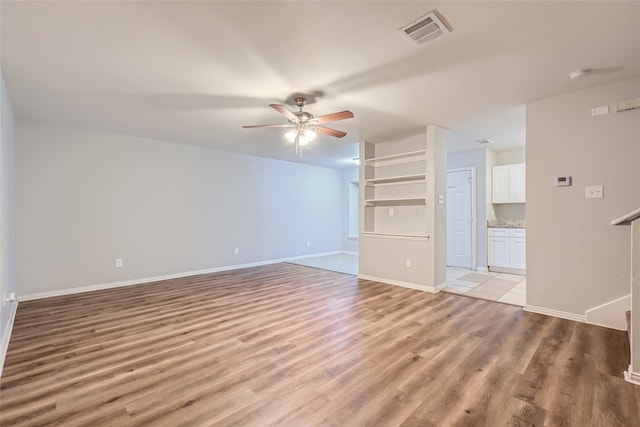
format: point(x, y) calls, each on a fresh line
point(506, 288)
point(502, 287)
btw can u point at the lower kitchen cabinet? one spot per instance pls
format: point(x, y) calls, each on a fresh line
point(507, 248)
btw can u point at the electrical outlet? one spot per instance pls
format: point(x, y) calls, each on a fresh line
point(236, 251)
point(308, 243)
point(407, 263)
point(594, 192)
point(119, 263)
point(391, 212)
point(414, 211)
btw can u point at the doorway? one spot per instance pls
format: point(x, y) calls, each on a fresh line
point(461, 218)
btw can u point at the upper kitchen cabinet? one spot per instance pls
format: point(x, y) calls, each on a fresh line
point(509, 183)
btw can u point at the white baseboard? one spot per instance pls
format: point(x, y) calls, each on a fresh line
point(611, 314)
point(6, 334)
point(101, 286)
point(349, 253)
point(632, 377)
point(294, 258)
point(482, 269)
point(517, 271)
point(555, 313)
point(431, 289)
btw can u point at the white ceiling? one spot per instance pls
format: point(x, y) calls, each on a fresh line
point(195, 72)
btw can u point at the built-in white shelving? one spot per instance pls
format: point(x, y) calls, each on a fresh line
point(396, 235)
point(410, 155)
point(395, 189)
point(419, 177)
point(397, 201)
point(401, 183)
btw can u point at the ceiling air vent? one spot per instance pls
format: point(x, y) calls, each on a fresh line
point(426, 29)
point(484, 141)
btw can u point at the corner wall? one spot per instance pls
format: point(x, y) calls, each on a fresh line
point(349, 243)
point(7, 219)
point(576, 260)
point(86, 198)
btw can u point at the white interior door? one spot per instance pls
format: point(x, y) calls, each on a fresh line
point(459, 219)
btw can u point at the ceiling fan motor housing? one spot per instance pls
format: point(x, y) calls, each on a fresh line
point(303, 116)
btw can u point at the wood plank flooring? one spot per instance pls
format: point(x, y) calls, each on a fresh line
point(289, 345)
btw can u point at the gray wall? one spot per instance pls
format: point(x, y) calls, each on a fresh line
point(7, 213)
point(575, 259)
point(85, 198)
point(477, 159)
point(348, 175)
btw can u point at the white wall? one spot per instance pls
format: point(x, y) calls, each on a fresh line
point(511, 157)
point(477, 159)
point(85, 198)
point(7, 218)
point(349, 244)
point(575, 259)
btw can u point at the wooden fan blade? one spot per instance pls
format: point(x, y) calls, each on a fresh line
point(269, 126)
point(288, 114)
point(329, 131)
point(346, 114)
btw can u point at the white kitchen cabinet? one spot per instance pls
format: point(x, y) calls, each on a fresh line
point(509, 184)
point(507, 248)
point(499, 252)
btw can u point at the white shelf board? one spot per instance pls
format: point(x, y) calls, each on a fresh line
point(419, 177)
point(403, 236)
point(401, 156)
point(396, 201)
point(628, 218)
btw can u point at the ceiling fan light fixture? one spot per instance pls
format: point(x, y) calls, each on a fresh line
point(305, 136)
point(291, 135)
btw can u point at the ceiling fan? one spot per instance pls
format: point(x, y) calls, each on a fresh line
point(303, 125)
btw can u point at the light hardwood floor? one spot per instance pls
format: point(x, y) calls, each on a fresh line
point(291, 345)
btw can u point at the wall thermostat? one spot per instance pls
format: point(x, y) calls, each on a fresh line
point(563, 181)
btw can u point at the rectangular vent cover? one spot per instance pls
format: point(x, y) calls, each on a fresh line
point(426, 28)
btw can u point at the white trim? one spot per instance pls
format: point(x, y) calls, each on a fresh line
point(610, 314)
point(632, 377)
point(293, 258)
point(507, 270)
point(356, 237)
point(474, 214)
point(349, 253)
point(482, 269)
point(430, 289)
point(6, 335)
point(142, 280)
point(555, 313)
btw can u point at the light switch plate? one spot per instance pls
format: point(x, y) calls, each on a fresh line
point(594, 192)
point(598, 111)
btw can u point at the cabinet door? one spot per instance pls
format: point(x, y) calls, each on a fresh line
point(517, 183)
point(500, 184)
point(518, 249)
point(499, 252)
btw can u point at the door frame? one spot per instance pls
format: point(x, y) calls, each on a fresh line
point(474, 216)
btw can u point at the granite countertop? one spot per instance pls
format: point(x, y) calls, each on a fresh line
point(506, 223)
